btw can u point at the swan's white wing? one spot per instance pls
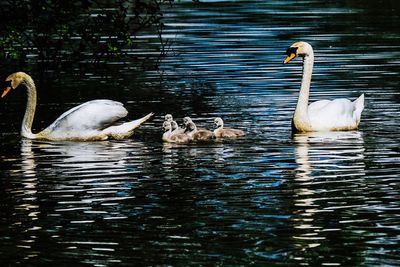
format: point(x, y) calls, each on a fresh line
point(335, 114)
point(318, 105)
point(126, 129)
point(87, 118)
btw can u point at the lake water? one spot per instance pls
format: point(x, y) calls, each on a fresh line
point(269, 199)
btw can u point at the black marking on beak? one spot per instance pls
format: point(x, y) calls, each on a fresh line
point(291, 50)
point(6, 84)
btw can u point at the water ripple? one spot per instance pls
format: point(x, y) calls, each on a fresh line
point(267, 199)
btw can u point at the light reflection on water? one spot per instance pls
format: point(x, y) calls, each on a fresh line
point(331, 159)
point(267, 199)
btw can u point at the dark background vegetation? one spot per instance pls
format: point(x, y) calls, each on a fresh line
point(56, 34)
point(50, 38)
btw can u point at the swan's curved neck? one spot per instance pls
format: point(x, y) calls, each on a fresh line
point(300, 117)
point(26, 130)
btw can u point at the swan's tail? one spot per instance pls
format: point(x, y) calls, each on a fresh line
point(126, 129)
point(359, 106)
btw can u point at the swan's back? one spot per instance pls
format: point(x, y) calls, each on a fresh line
point(203, 135)
point(338, 114)
point(179, 138)
point(198, 134)
point(228, 133)
point(87, 118)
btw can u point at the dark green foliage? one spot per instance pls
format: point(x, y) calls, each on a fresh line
point(56, 32)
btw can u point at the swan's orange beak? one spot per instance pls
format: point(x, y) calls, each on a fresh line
point(289, 58)
point(5, 91)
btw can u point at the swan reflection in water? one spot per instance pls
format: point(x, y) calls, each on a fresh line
point(78, 157)
point(79, 174)
point(328, 164)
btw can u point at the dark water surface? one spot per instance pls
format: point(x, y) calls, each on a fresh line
point(268, 199)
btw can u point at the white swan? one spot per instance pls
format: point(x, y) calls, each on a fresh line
point(90, 121)
point(324, 115)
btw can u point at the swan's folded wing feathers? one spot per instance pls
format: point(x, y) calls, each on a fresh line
point(90, 116)
point(318, 105)
point(326, 114)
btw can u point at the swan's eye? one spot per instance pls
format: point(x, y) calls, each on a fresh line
point(291, 50)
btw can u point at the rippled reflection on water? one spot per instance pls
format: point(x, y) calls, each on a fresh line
point(268, 199)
